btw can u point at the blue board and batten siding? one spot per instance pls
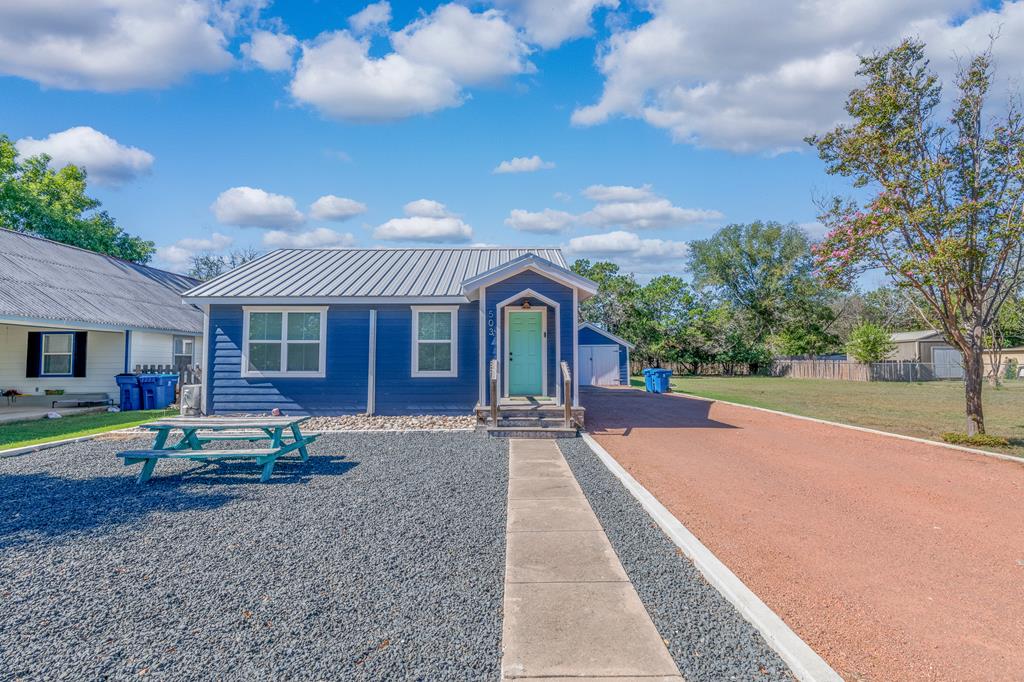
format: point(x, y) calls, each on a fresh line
point(561, 294)
point(589, 337)
point(344, 388)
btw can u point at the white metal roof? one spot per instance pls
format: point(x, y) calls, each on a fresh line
point(45, 281)
point(607, 334)
point(904, 337)
point(359, 274)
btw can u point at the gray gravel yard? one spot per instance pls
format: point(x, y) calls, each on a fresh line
point(707, 638)
point(381, 557)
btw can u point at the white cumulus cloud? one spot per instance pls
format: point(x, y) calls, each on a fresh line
point(470, 47)
point(711, 75)
point(549, 24)
point(605, 193)
point(319, 237)
point(372, 17)
point(178, 256)
point(331, 207)
point(548, 221)
point(433, 59)
point(337, 75)
point(271, 51)
point(105, 159)
point(630, 251)
point(425, 208)
point(252, 207)
point(113, 45)
point(426, 221)
point(639, 208)
point(523, 164)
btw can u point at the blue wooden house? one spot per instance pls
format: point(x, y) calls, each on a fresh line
point(392, 331)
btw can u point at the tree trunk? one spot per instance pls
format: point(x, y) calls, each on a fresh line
point(974, 378)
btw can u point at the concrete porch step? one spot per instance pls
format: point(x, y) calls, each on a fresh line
point(531, 432)
point(542, 422)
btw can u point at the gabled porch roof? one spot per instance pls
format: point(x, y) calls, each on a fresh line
point(471, 287)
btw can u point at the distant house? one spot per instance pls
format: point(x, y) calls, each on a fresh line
point(72, 319)
point(929, 347)
point(391, 331)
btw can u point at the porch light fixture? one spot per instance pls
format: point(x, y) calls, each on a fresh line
point(526, 305)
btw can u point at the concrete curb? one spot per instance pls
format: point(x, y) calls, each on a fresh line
point(863, 429)
point(14, 452)
point(806, 665)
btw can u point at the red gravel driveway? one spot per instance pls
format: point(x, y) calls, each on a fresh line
point(894, 560)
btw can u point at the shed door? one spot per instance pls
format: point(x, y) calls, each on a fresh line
point(948, 363)
point(599, 365)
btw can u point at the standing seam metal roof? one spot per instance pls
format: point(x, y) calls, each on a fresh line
point(47, 280)
point(333, 273)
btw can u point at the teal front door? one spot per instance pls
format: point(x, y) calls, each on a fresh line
point(525, 353)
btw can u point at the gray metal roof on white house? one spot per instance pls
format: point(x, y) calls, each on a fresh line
point(47, 281)
point(363, 273)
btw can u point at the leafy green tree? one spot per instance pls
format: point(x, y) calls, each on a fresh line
point(659, 313)
point(37, 199)
point(945, 215)
point(609, 309)
point(870, 343)
point(759, 268)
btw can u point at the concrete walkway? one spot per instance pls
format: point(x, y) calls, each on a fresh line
point(570, 610)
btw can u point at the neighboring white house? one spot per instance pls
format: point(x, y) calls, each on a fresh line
point(73, 319)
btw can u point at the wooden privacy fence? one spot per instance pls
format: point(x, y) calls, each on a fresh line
point(187, 374)
point(845, 370)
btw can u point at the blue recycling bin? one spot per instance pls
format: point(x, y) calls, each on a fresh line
point(128, 386)
point(656, 380)
point(661, 379)
point(149, 388)
point(166, 386)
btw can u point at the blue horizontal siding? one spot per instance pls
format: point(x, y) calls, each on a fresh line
point(341, 391)
point(344, 388)
point(566, 323)
point(398, 392)
point(589, 337)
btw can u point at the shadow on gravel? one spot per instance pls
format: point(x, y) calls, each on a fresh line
point(39, 506)
point(286, 472)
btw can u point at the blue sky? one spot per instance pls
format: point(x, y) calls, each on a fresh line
point(220, 124)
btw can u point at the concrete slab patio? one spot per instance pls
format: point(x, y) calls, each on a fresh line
point(570, 609)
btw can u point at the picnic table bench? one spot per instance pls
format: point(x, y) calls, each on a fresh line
point(282, 432)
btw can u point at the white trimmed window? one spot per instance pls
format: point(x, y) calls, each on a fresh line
point(184, 351)
point(284, 342)
point(435, 340)
point(58, 351)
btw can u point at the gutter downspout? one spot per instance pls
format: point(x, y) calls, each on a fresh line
point(371, 375)
point(204, 391)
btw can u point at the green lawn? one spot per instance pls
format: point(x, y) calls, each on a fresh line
point(18, 434)
point(925, 410)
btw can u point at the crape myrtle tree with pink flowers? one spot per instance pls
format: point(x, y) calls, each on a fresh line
point(944, 216)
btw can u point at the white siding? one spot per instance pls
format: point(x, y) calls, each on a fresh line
point(104, 360)
point(151, 348)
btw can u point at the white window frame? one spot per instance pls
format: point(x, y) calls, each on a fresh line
point(284, 373)
point(43, 354)
point(416, 310)
point(186, 340)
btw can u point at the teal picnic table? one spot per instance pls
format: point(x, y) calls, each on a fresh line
point(198, 432)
